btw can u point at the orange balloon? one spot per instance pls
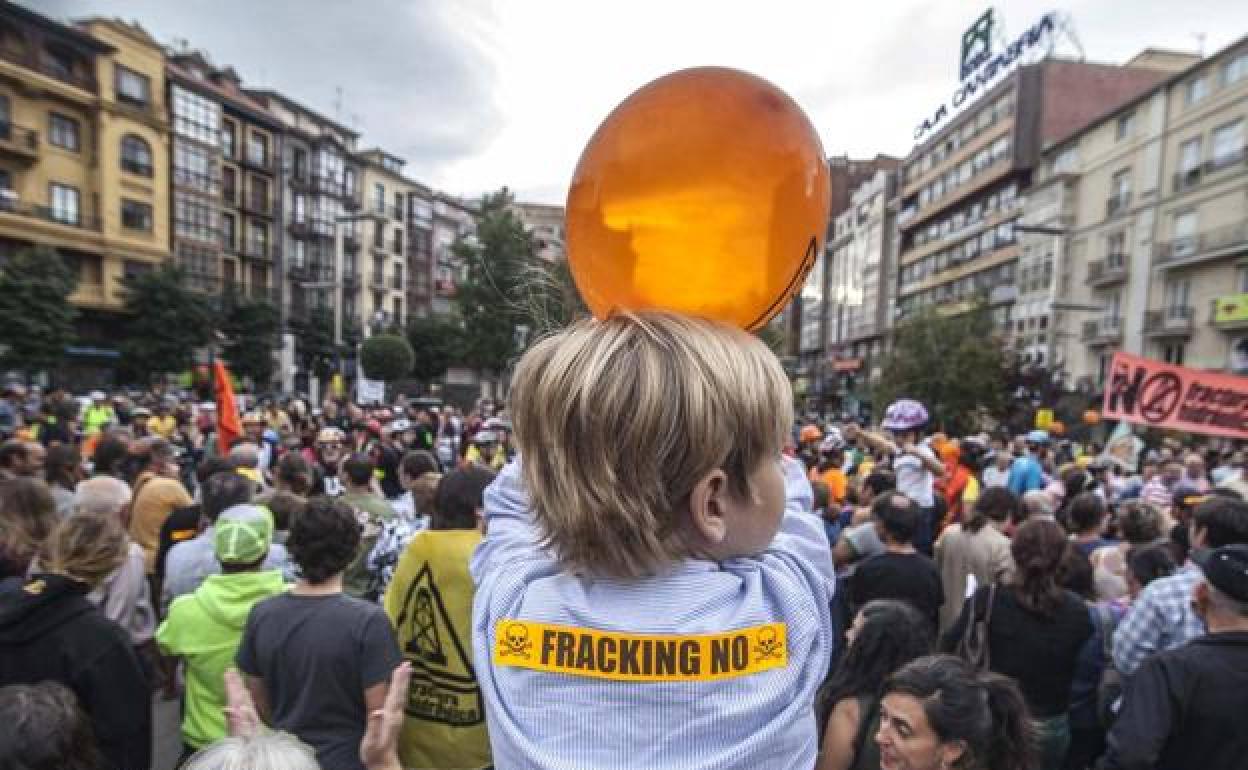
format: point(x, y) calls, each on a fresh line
point(704, 192)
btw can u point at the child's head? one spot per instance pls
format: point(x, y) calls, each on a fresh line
point(648, 438)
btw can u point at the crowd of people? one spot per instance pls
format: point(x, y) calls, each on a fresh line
point(657, 566)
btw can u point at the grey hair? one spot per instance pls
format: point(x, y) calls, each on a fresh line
point(1038, 503)
point(245, 455)
point(101, 496)
point(266, 751)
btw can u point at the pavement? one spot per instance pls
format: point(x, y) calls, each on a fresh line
point(166, 733)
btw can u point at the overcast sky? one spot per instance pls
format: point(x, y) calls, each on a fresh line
point(477, 94)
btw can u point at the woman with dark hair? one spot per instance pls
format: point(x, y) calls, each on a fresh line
point(1086, 520)
point(976, 547)
point(63, 470)
point(1035, 631)
point(938, 713)
point(885, 635)
point(1147, 563)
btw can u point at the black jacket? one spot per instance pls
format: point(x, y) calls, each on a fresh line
point(1184, 708)
point(49, 631)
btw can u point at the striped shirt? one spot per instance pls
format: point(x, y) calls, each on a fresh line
point(542, 719)
point(1160, 619)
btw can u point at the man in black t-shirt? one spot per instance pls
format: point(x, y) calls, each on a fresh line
point(900, 572)
point(318, 662)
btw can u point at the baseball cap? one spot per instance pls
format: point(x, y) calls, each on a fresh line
point(1227, 569)
point(242, 534)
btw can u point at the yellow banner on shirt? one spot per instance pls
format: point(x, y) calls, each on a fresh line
point(626, 657)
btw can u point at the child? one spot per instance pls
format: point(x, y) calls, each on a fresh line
point(652, 590)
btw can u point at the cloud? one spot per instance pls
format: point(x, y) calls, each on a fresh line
point(416, 78)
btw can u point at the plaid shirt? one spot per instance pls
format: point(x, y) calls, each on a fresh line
point(1160, 619)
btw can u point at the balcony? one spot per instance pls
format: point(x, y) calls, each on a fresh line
point(312, 228)
point(1230, 312)
point(382, 210)
point(396, 282)
point(1109, 271)
point(258, 250)
point(350, 279)
point(1117, 204)
point(377, 280)
point(258, 204)
point(1102, 331)
point(1211, 244)
point(68, 218)
point(1175, 321)
point(321, 185)
point(19, 143)
point(75, 72)
point(311, 274)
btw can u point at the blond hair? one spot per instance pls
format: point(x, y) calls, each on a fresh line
point(617, 420)
point(85, 548)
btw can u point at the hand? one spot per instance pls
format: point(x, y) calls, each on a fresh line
point(380, 748)
point(241, 718)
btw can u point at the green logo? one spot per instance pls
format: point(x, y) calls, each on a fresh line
point(976, 44)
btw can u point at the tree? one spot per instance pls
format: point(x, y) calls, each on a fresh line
point(251, 330)
point(165, 323)
point(36, 319)
point(314, 341)
point(434, 342)
point(954, 365)
point(386, 357)
point(550, 299)
point(495, 260)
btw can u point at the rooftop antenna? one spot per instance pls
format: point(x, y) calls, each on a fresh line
point(1065, 30)
point(338, 103)
point(1200, 43)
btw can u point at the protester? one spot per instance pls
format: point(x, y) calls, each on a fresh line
point(204, 627)
point(328, 452)
point(937, 712)
point(914, 464)
point(1183, 707)
point(111, 454)
point(445, 725)
point(63, 471)
point(125, 595)
point(157, 493)
point(45, 729)
point(184, 523)
point(1086, 516)
point(997, 472)
point(19, 459)
point(830, 468)
point(1139, 524)
point(373, 512)
point(1027, 472)
point(1162, 617)
point(50, 631)
point(192, 561)
point(1035, 630)
point(976, 548)
point(861, 540)
point(639, 485)
point(900, 572)
point(322, 686)
point(419, 473)
point(886, 634)
point(27, 517)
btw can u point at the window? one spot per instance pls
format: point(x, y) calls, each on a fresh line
point(1235, 70)
point(136, 216)
point(64, 201)
point(1197, 89)
point(398, 312)
point(379, 198)
point(197, 117)
point(195, 218)
point(63, 132)
point(1177, 293)
point(1116, 247)
point(398, 241)
point(1189, 155)
point(379, 237)
point(1228, 144)
point(229, 139)
point(228, 230)
point(299, 158)
point(257, 149)
point(258, 239)
point(300, 212)
point(1000, 149)
point(1005, 233)
point(1126, 126)
point(136, 155)
point(1120, 190)
point(131, 86)
point(194, 167)
point(1184, 233)
point(1173, 354)
point(398, 276)
point(398, 204)
point(229, 184)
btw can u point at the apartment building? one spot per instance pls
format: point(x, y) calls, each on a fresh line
point(319, 180)
point(83, 161)
point(546, 223)
point(452, 219)
point(1159, 242)
point(384, 220)
point(962, 190)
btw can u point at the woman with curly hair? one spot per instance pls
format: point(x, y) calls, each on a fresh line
point(317, 662)
point(886, 635)
point(1036, 629)
point(27, 516)
point(938, 713)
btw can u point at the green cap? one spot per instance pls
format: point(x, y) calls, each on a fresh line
point(242, 534)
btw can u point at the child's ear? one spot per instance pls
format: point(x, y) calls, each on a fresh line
point(706, 507)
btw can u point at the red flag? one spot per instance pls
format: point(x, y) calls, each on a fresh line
point(229, 427)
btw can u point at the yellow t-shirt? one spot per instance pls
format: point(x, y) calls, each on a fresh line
point(429, 602)
point(161, 426)
point(157, 497)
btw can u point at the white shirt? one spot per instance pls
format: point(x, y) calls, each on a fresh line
point(914, 480)
point(995, 477)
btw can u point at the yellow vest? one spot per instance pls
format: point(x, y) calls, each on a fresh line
point(429, 602)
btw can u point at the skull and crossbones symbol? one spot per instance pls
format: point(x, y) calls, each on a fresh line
point(766, 645)
point(515, 641)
